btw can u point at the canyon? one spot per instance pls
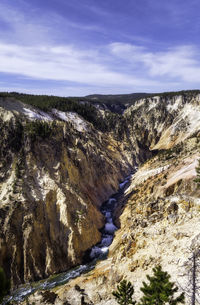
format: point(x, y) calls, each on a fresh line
point(56, 171)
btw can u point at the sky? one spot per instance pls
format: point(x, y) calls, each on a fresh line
point(81, 47)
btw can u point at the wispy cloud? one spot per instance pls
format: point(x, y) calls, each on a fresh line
point(65, 63)
point(42, 48)
point(115, 66)
point(181, 63)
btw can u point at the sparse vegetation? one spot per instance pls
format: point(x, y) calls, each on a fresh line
point(170, 153)
point(36, 129)
point(197, 180)
point(17, 171)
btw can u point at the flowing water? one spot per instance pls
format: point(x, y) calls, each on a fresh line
point(97, 252)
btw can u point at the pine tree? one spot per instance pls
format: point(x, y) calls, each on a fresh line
point(160, 290)
point(197, 180)
point(124, 293)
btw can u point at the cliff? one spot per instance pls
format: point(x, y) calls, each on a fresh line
point(54, 176)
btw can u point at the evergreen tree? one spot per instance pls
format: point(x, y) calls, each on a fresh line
point(197, 180)
point(160, 290)
point(4, 284)
point(124, 293)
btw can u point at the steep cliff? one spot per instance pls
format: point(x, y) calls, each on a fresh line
point(55, 177)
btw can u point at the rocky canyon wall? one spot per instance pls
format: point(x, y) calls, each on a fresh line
point(53, 185)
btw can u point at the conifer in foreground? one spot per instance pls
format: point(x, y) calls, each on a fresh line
point(124, 293)
point(160, 290)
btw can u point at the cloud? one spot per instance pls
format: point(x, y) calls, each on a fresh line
point(35, 53)
point(117, 67)
point(64, 63)
point(181, 63)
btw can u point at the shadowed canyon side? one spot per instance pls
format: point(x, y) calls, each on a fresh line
point(56, 171)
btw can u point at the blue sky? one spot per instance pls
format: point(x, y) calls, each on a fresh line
point(80, 47)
